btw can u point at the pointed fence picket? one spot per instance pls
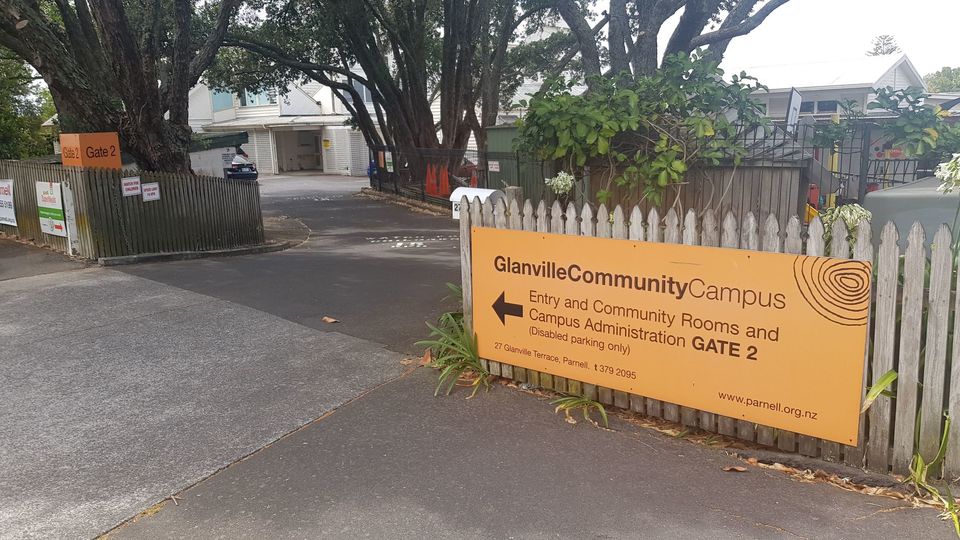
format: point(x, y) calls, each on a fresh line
point(770, 241)
point(884, 333)
point(863, 251)
point(911, 321)
point(909, 327)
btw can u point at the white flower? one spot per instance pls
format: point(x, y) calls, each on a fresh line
point(949, 175)
point(561, 184)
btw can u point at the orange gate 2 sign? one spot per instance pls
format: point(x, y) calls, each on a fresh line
point(770, 338)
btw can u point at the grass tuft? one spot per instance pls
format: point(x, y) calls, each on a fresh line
point(454, 352)
point(570, 403)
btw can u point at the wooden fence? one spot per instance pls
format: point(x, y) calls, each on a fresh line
point(25, 176)
point(911, 325)
point(193, 213)
point(759, 187)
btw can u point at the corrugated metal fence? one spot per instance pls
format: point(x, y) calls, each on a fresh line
point(911, 327)
point(193, 213)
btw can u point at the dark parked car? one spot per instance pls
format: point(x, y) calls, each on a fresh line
point(241, 169)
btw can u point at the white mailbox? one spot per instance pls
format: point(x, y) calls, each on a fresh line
point(471, 194)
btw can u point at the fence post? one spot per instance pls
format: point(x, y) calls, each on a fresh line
point(70, 213)
point(466, 262)
point(864, 162)
point(423, 179)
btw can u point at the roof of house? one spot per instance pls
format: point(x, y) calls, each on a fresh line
point(279, 121)
point(859, 72)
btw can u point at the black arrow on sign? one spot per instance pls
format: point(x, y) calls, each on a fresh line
point(504, 308)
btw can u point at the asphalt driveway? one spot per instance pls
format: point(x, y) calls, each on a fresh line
point(379, 269)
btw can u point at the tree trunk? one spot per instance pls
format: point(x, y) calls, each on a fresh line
point(589, 53)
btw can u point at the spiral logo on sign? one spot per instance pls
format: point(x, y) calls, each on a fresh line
point(839, 290)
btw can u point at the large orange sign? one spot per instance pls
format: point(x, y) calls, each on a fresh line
point(101, 150)
point(770, 338)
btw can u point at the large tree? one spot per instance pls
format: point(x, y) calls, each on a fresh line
point(883, 45)
point(947, 79)
point(632, 43)
point(410, 54)
point(23, 108)
point(463, 53)
point(121, 65)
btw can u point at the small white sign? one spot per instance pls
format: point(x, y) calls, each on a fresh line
point(130, 186)
point(389, 162)
point(50, 209)
point(493, 166)
point(793, 111)
point(151, 191)
point(8, 215)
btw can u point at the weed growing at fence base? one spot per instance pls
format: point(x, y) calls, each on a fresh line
point(572, 403)
point(920, 470)
point(454, 351)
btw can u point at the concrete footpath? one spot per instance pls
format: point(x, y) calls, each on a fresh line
point(399, 463)
point(119, 391)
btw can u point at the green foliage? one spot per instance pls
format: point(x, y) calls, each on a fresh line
point(646, 131)
point(456, 293)
point(916, 127)
point(920, 469)
point(307, 31)
point(883, 45)
point(570, 403)
point(919, 472)
point(947, 79)
point(24, 106)
point(880, 388)
point(851, 214)
point(455, 354)
point(529, 59)
point(830, 134)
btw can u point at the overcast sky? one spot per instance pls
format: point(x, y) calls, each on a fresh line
point(928, 31)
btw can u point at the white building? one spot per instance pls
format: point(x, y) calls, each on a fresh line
point(303, 129)
point(825, 84)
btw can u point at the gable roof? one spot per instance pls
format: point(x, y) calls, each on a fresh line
point(859, 72)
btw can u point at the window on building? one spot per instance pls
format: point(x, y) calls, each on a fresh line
point(254, 99)
point(363, 91)
point(827, 106)
point(806, 107)
point(222, 100)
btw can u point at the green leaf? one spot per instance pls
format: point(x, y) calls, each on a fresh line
point(663, 178)
point(678, 166)
point(879, 387)
point(603, 145)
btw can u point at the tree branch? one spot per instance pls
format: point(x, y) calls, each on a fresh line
point(737, 16)
point(277, 54)
point(589, 52)
point(694, 19)
point(570, 54)
point(208, 52)
point(743, 28)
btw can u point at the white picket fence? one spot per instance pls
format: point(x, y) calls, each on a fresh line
point(917, 343)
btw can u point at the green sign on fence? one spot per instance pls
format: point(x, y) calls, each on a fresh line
point(50, 209)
